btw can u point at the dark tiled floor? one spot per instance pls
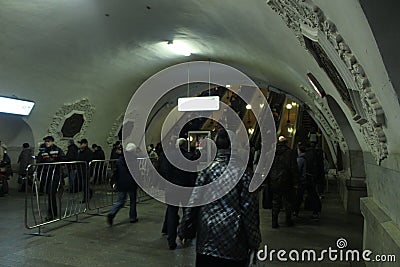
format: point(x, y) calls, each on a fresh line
point(92, 243)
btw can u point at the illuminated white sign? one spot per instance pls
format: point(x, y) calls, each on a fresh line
point(15, 106)
point(204, 103)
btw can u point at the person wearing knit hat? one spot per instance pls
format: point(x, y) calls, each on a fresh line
point(125, 185)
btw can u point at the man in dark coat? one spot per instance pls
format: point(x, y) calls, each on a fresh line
point(114, 154)
point(125, 185)
point(50, 154)
point(97, 169)
point(311, 170)
point(85, 154)
point(5, 169)
point(178, 177)
point(98, 153)
point(72, 155)
point(25, 158)
point(282, 178)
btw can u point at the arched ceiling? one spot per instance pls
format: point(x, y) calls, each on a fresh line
point(57, 52)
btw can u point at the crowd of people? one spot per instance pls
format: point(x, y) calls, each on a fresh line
point(290, 177)
point(227, 229)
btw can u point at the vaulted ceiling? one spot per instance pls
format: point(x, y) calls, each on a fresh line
point(58, 52)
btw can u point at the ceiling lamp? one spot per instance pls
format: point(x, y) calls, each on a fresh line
point(179, 47)
point(248, 106)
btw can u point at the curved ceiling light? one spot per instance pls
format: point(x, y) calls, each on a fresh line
point(316, 85)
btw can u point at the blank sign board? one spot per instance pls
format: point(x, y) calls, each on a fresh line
point(15, 106)
point(203, 103)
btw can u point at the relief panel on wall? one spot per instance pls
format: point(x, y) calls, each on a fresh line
point(304, 17)
point(114, 133)
point(71, 122)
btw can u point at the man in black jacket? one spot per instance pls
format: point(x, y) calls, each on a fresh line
point(282, 177)
point(178, 177)
point(85, 154)
point(5, 169)
point(125, 185)
point(25, 158)
point(72, 155)
point(50, 154)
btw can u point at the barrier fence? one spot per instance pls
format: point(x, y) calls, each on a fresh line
point(101, 187)
point(61, 190)
point(47, 199)
point(147, 173)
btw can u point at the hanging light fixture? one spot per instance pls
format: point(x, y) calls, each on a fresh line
point(202, 103)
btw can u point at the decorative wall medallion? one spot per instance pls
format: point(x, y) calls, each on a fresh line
point(66, 112)
point(305, 19)
point(115, 129)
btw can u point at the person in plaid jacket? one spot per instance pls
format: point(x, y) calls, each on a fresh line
point(228, 229)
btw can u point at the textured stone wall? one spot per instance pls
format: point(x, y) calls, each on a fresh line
point(383, 184)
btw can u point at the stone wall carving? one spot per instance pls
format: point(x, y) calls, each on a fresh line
point(326, 64)
point(83, 107)
point(298, 14)
point(113, 135)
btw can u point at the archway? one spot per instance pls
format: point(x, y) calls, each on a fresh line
point(352, 185)
point(14, 132)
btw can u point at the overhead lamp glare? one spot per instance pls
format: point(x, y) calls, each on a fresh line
point(179, 47)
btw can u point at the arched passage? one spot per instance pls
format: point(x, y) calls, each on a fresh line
point(353, 161)
point(14, 132)
point(352, 185)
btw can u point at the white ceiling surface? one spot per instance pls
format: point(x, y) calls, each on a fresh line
point(56, 52)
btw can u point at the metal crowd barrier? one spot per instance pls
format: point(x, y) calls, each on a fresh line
point(101, 187)
point(56, 192)
point(149, 182)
